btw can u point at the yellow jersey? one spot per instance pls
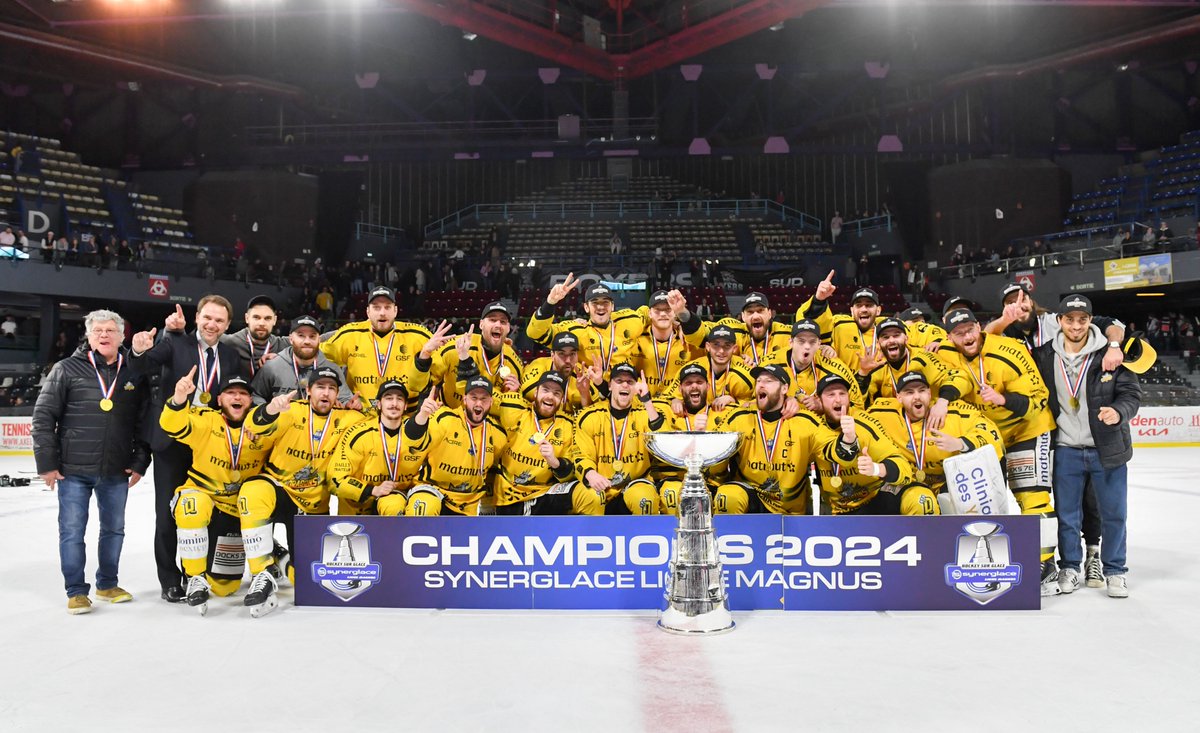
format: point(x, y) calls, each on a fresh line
point(687, 423)
point(962, 421)
point(610, 345)
point(458, 458)
point(613, 443)
point(1006, 365)
point(662, 360)
point(444, 373)
point(843, 487)
point(943, 381)
point(735, 381)
point(774, 453)
point(304, 446)
point(574, 400)
point(205, 431)
point(524, 474)
point(753, 353)
point(371, 359)
point(367, 455)
point(804, 381)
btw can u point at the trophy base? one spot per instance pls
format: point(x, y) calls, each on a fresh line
point(716, 621)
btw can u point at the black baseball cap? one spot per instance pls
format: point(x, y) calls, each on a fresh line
point(911, 314)
point(565, 340)
point(325, 372)
point(867, 293)
point(658, 297)
point(234, 381)
point(909, 378)
point(755, 299)
point(382, 292)
point(693, 370)
point(552, 377)
point(302, 321)
point(1011, 288)
point(1075, 304)
point(959, 316)
point(624, 368)
point(478, 383)
point(495, 307)
point(775, 370)
point(806, 325)
point(829, 380)
point(953, 302)
point(596, 292)
point(389, 385)
point(721, 331)
point(891, 323)
point(260, 300)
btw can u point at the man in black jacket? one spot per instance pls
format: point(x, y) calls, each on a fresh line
point(86, 439)
point(1092, 408)
point(176, 353)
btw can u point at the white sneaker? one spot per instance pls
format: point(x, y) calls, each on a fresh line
point(1050, 579)
point(1068, 580)
point(1093, 569)
point(1117, 587)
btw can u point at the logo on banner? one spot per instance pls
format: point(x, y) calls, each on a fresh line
point(983, 569)
point(158, 286)
point(345, 568)
point(1027, 279)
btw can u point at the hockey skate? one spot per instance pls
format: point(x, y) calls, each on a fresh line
point(261, 598)
point(197, 594)
point(1050, 579)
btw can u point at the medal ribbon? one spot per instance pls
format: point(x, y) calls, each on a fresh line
point(611, 348)
point(619, 443)
point(712, 380)
point(391, 459)
point(796, 374)
point(106, 392)
point(382, 362)
point(537, 424)
point(487, 367)
point(207, 380)
point(768, 446)
point(235, 455)
point(253, 361)
point(479, 449)
point(754, 349)
point(662, 361)
point(315, 447)
point(892, 376)
point(1073, 386)
point(918, 448)
point(981, 380)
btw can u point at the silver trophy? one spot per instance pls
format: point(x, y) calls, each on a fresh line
point(696, 599)
point(983, 531)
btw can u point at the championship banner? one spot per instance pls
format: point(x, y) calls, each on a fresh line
point(1138, 272)
point(770, 562)
point(16, 436)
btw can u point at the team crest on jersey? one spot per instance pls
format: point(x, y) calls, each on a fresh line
point(345, 568)
point(771, 487)
point(523, 478)
point(983, 569)
point(308, 473)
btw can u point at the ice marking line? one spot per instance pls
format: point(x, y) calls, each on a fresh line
point(678, 691)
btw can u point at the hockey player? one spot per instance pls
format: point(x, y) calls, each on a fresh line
point(759, 335)
point(729, 380)
point(295, 479)
point(770, 469)
point(898, 358)
point(377, 349)
point(535, 473)
point(491, 351)
point(1006, 387)
point(225, 452)
point(460, 446)
point(564, 361)
point(662, 351)
point(257, 344)
point(925, 447)
point(374, 467)
point(881, 481)
point(608, 336)
point(610, 453)
point(295, 362)
point(693, 393)
point(806, 364)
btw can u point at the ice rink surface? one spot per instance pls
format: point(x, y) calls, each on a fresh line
point(1084, 663)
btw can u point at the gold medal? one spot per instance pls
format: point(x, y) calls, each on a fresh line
point(235, 475)
point(206, 397)
point(1074, 403)
point(106, 404)
point(618, 466)
point(920, 475)
point(835, 482)
point(538, 437)
point(504, 372)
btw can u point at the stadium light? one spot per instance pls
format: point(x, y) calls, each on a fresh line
point(1032, 261)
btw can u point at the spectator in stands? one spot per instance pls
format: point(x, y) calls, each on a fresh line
point(694, 270)
point(1189, 345)
point(1118, 239)
point(616, 247)
point(60, 251)
point(144, 252)
point(835, 227)
point(48, 248)
point(22, 241)
point(324, 303)
point(1164, 232)
point(7, 238)
point(8, 329)
point(760, 247)
point(73, 252)
point(1039, 248)
point(485, 275)
point(716, 278)
point(125, 254)
point(779, 199)
point(864, 267)
point(1149, 235)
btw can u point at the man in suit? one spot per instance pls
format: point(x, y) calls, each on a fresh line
point(176, 353)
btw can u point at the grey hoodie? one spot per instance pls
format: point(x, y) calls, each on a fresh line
point(1073, 427)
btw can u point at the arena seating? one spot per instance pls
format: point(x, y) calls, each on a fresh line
point(641, 188)
point(57, 173)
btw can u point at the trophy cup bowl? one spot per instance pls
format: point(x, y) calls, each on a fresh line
point(696, 602)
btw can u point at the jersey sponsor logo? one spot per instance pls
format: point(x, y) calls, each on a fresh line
point(983, 569)
point(345, 569)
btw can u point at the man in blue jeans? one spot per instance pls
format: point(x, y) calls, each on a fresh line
point(1092, 408)
point(86, 441)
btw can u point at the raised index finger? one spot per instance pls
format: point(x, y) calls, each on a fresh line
point(192, 373)
point(829, 277)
